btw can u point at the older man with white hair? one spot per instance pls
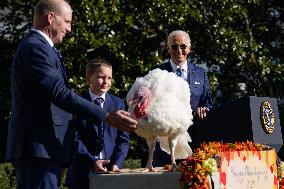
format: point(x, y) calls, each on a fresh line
point(179, 45)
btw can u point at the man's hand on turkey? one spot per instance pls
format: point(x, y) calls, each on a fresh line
point(120, 119)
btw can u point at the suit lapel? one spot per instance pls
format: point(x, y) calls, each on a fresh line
point(63, 70)
point(60, 63)
point(108, 107)
point(108, 103)
point(168, 67)
point(190, 72)
point(87, 96)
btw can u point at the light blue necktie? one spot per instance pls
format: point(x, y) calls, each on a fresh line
point(181, 73)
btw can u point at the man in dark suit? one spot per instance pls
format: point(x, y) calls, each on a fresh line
point(179, 44)
point(39, 139)
point(115, 143)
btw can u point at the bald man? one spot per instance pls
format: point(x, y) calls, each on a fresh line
point(39, 139)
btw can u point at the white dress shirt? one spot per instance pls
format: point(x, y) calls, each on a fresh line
point(183, 67)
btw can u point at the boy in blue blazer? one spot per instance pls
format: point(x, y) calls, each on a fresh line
point(100, 148)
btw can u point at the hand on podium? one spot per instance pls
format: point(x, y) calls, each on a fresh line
point(114, 168)
point(100, 165)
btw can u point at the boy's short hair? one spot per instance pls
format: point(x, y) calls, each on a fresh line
point(94, 64)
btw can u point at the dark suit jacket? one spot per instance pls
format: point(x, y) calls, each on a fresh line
point(198, 83)
point(42, 103)
point(116, 144)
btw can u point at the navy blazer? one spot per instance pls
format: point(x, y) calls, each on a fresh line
point(198, 85)
point(116, 144)
point(42, 104)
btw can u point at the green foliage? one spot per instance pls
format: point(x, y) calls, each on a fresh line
point(7, 176)
point(132, 163)
point(234, 38)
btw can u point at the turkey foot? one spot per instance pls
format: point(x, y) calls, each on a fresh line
point(171, 168)
point(174, 168)
point(149, 169)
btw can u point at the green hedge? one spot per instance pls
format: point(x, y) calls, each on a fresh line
point(7, 176)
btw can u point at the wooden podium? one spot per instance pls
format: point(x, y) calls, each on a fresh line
point(247, 118)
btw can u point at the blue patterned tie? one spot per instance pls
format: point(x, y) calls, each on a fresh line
point(100, 140)
point(181, 73)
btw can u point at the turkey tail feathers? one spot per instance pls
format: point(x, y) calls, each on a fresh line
point(182, 149)
point(164, 144)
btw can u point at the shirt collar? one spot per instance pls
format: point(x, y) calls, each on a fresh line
point(94, 96)
point(44, 35)
point(175, 67)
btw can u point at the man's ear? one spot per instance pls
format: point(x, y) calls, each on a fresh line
point(50, 17)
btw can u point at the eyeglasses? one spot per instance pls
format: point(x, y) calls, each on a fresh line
point(182, 47)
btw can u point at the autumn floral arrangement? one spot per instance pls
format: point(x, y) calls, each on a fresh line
point(205, 161)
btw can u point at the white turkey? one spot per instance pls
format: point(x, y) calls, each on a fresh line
point(160, 102)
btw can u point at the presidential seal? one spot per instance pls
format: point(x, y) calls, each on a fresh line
point(267, 117)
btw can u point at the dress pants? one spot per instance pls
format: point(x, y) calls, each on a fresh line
point(37, 173)
point(78, 172)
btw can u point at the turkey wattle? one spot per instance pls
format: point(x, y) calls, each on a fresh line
point(160, 102)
